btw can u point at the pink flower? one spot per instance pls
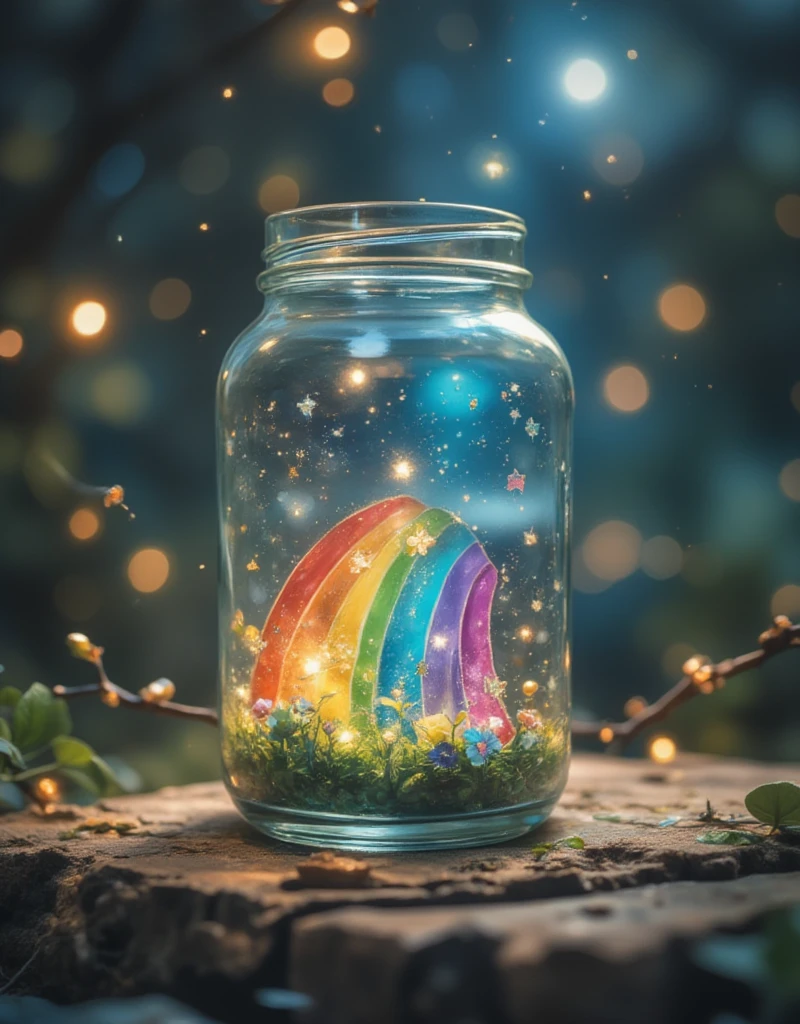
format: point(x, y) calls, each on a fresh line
point(261, 709)
point(528, 719)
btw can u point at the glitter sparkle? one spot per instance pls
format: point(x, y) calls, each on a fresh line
point(532, 427)
point(494, 687)
point(530, 538)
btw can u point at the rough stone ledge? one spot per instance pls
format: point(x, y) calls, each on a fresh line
point(194, 903)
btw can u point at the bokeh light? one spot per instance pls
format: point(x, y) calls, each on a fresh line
point(457, 31)
point(120, 394)
point(681, 307)
point(618, 159)
point(84, 524)
point(625, 389)
point(204, 170)
point(170, 298)
point(338, 92)
point(787, 214)
point(11, 343)
point(27, 157)
point(332, 42)
point(494, 168)
point(148, 570)
point(89, 318)
point(786, 601)
point(611, 550)
point(280, 192)
point(789, 480)
point(662, 557)
point(662, 749)
point(119, 170)
point(585, 80)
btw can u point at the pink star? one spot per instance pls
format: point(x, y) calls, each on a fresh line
point(516, 482)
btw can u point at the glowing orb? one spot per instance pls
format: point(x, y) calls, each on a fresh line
point(585, 80)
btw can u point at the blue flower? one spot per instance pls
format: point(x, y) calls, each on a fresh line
point(528, 740)
point(481, 745)
point(302, 707)
point(444, 755)
point(282, 725)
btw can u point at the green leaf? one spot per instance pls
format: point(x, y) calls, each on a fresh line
point(5, 729)
point(96, 777)
point(729, 837)
point(573, 842)
point(12, 753)
point(776, 803)
point(38, 718)
point(607, 816)
point(9, 696)
point(11, 797)
point(71, 751)
point(542, 850)
point(387, 702)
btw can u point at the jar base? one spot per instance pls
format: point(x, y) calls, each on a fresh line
point(375, 835)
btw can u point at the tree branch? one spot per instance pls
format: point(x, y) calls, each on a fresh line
point(701, 677)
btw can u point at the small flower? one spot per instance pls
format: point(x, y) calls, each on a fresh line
point(114, 495)
point(329, 727)
point(434, 728)
point(282, 724)
point(481, 745)
point(261, 709)
point(444, 755)
point(302, 707)
point(419, 543)
point(528, 719)
point(528, 739)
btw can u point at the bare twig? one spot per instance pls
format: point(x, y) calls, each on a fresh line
point(115, 696)
point(701, 677)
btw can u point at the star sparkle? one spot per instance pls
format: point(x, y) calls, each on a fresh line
point(494, 686)
point(516, 482)
point(422, 668)
point(515, 414)
point(532, 427)
point(307, 406)
point(419, 543)
point(530, 538)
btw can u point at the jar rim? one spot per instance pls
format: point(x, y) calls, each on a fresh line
point(415, 236)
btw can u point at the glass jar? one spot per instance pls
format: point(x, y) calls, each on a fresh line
point(394, 462)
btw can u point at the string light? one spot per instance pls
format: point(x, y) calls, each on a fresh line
point(89, 318)
point(634, 706)
point(47, 789)
point(358, 377)
point(228, 92)
point(606, 734)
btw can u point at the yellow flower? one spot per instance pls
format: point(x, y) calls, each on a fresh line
point(434, 729)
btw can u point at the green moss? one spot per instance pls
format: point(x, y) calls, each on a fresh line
point(293, 762)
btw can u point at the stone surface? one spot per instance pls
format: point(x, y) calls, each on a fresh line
point(193, 903)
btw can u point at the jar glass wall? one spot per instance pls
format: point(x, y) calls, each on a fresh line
point(394, 459)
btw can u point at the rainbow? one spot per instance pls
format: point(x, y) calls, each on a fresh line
point(395, 596)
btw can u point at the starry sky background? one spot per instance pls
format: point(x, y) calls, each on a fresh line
point(142, 143)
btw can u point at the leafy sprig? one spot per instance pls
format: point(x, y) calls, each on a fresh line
point(38, 754)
